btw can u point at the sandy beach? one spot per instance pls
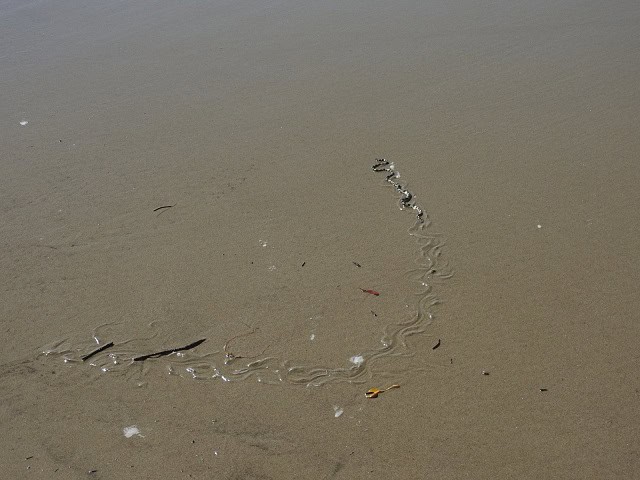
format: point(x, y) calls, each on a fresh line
point(173, 172)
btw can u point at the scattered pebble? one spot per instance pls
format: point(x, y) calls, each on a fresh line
point(539, 226)
point(337, 411)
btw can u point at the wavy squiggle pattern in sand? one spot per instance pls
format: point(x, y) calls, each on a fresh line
point(274, 370)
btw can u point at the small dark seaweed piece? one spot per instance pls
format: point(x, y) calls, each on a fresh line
point(304, 263)
point(357, 264)
point(406, 198)
point(170, 351)
point(436, 345)
point(97, 351)
point(381, 166)
point(544, 389)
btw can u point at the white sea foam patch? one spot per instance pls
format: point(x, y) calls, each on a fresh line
point(23, 122)
point(131, 431)
point(357, 360)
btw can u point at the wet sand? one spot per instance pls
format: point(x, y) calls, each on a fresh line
point(515, 124)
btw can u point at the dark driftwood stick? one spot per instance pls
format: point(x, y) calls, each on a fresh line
point(169, 352)
point(97, 350)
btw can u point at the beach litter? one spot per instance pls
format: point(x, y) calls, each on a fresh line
point(374, 392)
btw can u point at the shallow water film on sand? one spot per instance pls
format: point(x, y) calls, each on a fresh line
point(127, 357)
point(202, 276)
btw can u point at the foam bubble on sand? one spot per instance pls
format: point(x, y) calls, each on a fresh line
point(357, 360)
point(131, 431)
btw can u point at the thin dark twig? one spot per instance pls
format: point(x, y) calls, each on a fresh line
point(163, 209)
point(245, 334)
point(97, 351)
point(229, 356)
point(164, 206)
point(170, 351)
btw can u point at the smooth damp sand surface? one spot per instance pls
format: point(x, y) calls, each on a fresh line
point(516, 126)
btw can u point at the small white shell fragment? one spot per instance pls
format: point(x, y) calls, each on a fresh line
point(337, 411)
point(131, 431)
point(23, 122)
point(262, 243)
point(357, 360)
point(312, 337)
point(539, 226)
